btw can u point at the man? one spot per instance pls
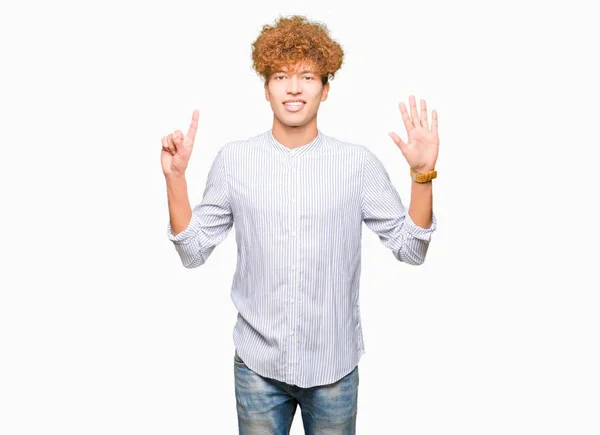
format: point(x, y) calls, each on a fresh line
point(298, 198)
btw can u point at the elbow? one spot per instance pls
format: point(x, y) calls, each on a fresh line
point(193, 262)
point(191, 265)
point(416, 262)
point(192, 259)
point(191, 254)
point(411, 258)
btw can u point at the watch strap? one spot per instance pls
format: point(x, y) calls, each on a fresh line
point(424, 177)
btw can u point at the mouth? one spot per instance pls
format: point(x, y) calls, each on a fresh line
point(294, 106)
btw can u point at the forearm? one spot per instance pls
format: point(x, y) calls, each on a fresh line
point(180, 210)
point(421, 204)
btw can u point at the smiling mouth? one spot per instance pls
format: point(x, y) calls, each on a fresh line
point(295, 106)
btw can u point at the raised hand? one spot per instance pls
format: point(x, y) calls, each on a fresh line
point(177, 149)
point(421, 151)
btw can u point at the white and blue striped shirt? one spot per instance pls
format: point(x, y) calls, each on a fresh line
point(298, 217)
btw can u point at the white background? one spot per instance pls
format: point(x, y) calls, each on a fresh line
point(102, 330)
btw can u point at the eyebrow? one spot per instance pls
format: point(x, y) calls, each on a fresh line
point(301, 72)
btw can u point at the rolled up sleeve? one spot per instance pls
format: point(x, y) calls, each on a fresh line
point(211, 220)
point(384, 213)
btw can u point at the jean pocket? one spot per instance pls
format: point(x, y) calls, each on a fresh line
point(238, 360)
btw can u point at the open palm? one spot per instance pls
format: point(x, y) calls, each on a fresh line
point(421, 151)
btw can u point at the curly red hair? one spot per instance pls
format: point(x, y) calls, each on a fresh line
point(292, 40)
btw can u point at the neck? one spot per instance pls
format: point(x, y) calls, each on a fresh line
point(294, 137)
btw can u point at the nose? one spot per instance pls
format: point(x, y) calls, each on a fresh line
point(294, 85)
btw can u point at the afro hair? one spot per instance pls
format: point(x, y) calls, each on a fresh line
point(292, 40)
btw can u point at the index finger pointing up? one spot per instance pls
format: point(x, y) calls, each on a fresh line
point(193, 125)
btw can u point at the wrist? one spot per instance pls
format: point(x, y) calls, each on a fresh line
point(423, 169)
point(175, 178)
point(421, 183)
point(423, 177)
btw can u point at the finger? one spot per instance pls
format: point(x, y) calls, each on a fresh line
point(194, 125)
point(178, 138)
point(424, 120)
point(406, 118)
point(399, 142)
point(172, 146)
point(165, 158)
point(413, 111)
point(434, 122)
point(165, 144)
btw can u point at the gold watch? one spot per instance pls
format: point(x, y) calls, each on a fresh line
point(425, 177)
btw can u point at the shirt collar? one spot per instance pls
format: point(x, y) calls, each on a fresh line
point(316, 142)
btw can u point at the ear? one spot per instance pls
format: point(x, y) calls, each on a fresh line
point(267, 91)
point(325, 92)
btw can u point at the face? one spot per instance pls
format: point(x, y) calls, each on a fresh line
point(300, 84)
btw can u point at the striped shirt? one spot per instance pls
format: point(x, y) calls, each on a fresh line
point(298, 217)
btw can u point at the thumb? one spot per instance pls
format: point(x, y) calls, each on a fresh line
point(403, 147)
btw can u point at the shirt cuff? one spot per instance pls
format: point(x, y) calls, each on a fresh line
point(419, 232)
point(186, 235)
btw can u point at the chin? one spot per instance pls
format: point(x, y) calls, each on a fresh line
point(295, 124)
point(292, 122)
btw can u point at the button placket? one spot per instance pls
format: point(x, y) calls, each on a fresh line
point(293, 248)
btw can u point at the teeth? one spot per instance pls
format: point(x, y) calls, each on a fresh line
point(299, 103)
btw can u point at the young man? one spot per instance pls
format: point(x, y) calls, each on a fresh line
point(298, 198)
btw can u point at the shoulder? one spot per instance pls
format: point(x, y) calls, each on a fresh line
point(241, 147)
point(341, 145)
point(360, 150)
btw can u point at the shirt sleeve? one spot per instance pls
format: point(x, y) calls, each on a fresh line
point(384, 213)
point(211, 220)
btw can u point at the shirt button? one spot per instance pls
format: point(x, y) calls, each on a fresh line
point(293, 267)
point(292, 333)
point(294, 234)
point(292, 300)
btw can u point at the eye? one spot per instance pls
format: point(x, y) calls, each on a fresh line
point(278, 77)
point(307, 77)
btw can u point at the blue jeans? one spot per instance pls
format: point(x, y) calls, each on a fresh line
point(267, 406)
